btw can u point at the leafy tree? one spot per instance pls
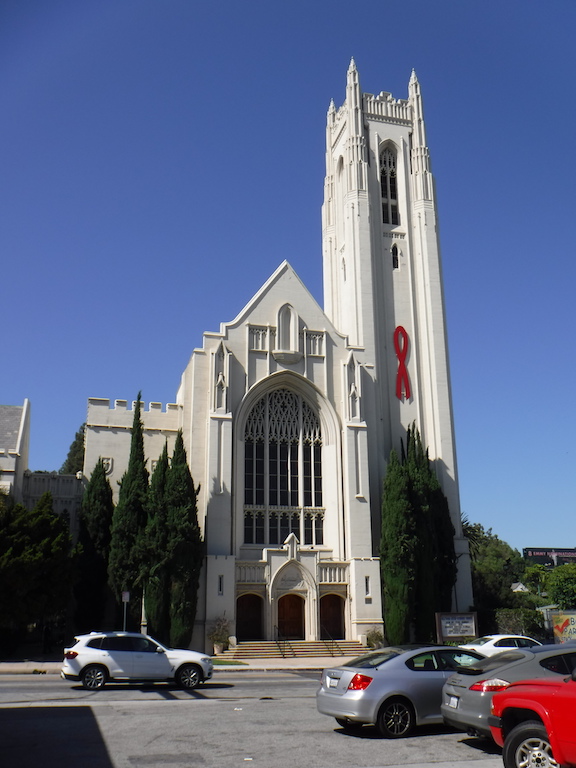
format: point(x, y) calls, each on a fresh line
point(126, 561)
point(75, 460)
point(35, 565)
point(495, 567)
point(470, 532)
point(157, 576)
point(418, 561)
point(185, 546)
point(535, 578)
point(92, 592)
point(521, 621)
point(561, 586)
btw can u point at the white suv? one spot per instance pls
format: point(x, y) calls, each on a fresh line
point(102, 657)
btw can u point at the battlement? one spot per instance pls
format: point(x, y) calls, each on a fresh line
point(122, 405)
point(385, 107)
point(381, 107)
point(120, 414)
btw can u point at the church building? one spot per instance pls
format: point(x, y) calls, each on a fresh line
point(289, 412)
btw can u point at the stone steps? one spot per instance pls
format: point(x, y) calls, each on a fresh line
point(261, 649)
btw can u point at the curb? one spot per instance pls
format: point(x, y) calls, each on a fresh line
point(255, 665)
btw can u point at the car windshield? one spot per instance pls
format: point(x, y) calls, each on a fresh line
point(374, 658)
point(492, 662)
point(479, 641)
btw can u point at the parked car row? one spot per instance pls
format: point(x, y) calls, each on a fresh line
point(399, 688)
point(520, 693)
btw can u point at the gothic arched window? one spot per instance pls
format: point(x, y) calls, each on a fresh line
point(389, 187)
point(282, 470)
point(394, 257)
point(287, 328)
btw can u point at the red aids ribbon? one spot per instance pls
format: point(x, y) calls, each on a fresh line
point(401, 347)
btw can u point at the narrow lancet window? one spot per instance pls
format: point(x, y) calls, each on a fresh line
point(394, 257)
point(389, 187)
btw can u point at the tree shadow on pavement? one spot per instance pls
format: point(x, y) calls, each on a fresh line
point(52, 737)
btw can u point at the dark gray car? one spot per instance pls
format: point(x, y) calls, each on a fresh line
point(467, 695)
point(394, 688)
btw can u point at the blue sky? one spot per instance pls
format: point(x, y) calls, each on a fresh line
point(160, 158)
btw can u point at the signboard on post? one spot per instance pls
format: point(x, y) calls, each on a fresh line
point(125, 601)
point(456, 626)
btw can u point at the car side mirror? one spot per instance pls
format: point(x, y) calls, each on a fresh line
point(573, 675)
point(160, 650)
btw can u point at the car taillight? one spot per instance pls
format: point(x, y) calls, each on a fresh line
point(359, 683)
point(489, 686)
point(70, 655)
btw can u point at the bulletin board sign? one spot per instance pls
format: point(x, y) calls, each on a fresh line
point(452, 627)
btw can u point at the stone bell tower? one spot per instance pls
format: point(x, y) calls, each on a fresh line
point(383, 284)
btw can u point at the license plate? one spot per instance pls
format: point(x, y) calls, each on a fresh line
point(332, 682)
point(453, 702)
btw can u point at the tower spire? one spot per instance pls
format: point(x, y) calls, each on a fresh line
point(420, 154)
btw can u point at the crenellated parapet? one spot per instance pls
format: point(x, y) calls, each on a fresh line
point(119, 414)
point(109, 431)
point(385, 107)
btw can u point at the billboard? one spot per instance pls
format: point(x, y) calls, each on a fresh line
point(551, 557)
point(564, 625)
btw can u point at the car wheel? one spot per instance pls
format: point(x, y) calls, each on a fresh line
point(526, 745)
point(348, 725)
point(189, 676)
point(395, 719)
point(93, 677)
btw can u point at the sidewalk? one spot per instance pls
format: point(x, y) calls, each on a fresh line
point(247, 665)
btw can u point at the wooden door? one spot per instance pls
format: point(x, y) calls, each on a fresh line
point(291, 617)
point(249, 617)
point(331, 617)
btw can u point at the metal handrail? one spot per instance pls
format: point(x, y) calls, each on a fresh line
point(282, 642)
point(324, 631)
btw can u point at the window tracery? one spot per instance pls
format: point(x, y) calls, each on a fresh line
point(282, 470)
point(389, 187)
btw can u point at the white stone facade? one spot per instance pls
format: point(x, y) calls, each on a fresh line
point(289, 412)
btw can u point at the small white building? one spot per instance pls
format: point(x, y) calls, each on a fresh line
point(289, 412)
point(26, 487)
point(14, 447)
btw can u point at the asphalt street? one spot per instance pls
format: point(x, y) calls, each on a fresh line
point(252, 715)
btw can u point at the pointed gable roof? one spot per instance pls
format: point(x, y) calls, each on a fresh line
point(10, 424)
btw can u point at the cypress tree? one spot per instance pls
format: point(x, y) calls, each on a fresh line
point(125, 564)
point(431, 573)
point(417, 469)
point(75, 459)
point(93, 596)
point(98, 510)
point(157, 576)
point(397, 554)
point(185, 547)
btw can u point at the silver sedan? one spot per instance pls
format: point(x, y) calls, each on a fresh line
point(467, 695)
point(394, 688)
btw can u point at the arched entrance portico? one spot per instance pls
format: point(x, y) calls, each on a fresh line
point(332, 617)
point(249, 614)
point(291, 617)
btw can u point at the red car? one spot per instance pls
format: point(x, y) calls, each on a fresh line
point(535, 722)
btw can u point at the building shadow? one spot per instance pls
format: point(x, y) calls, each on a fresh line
point(52, 737)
